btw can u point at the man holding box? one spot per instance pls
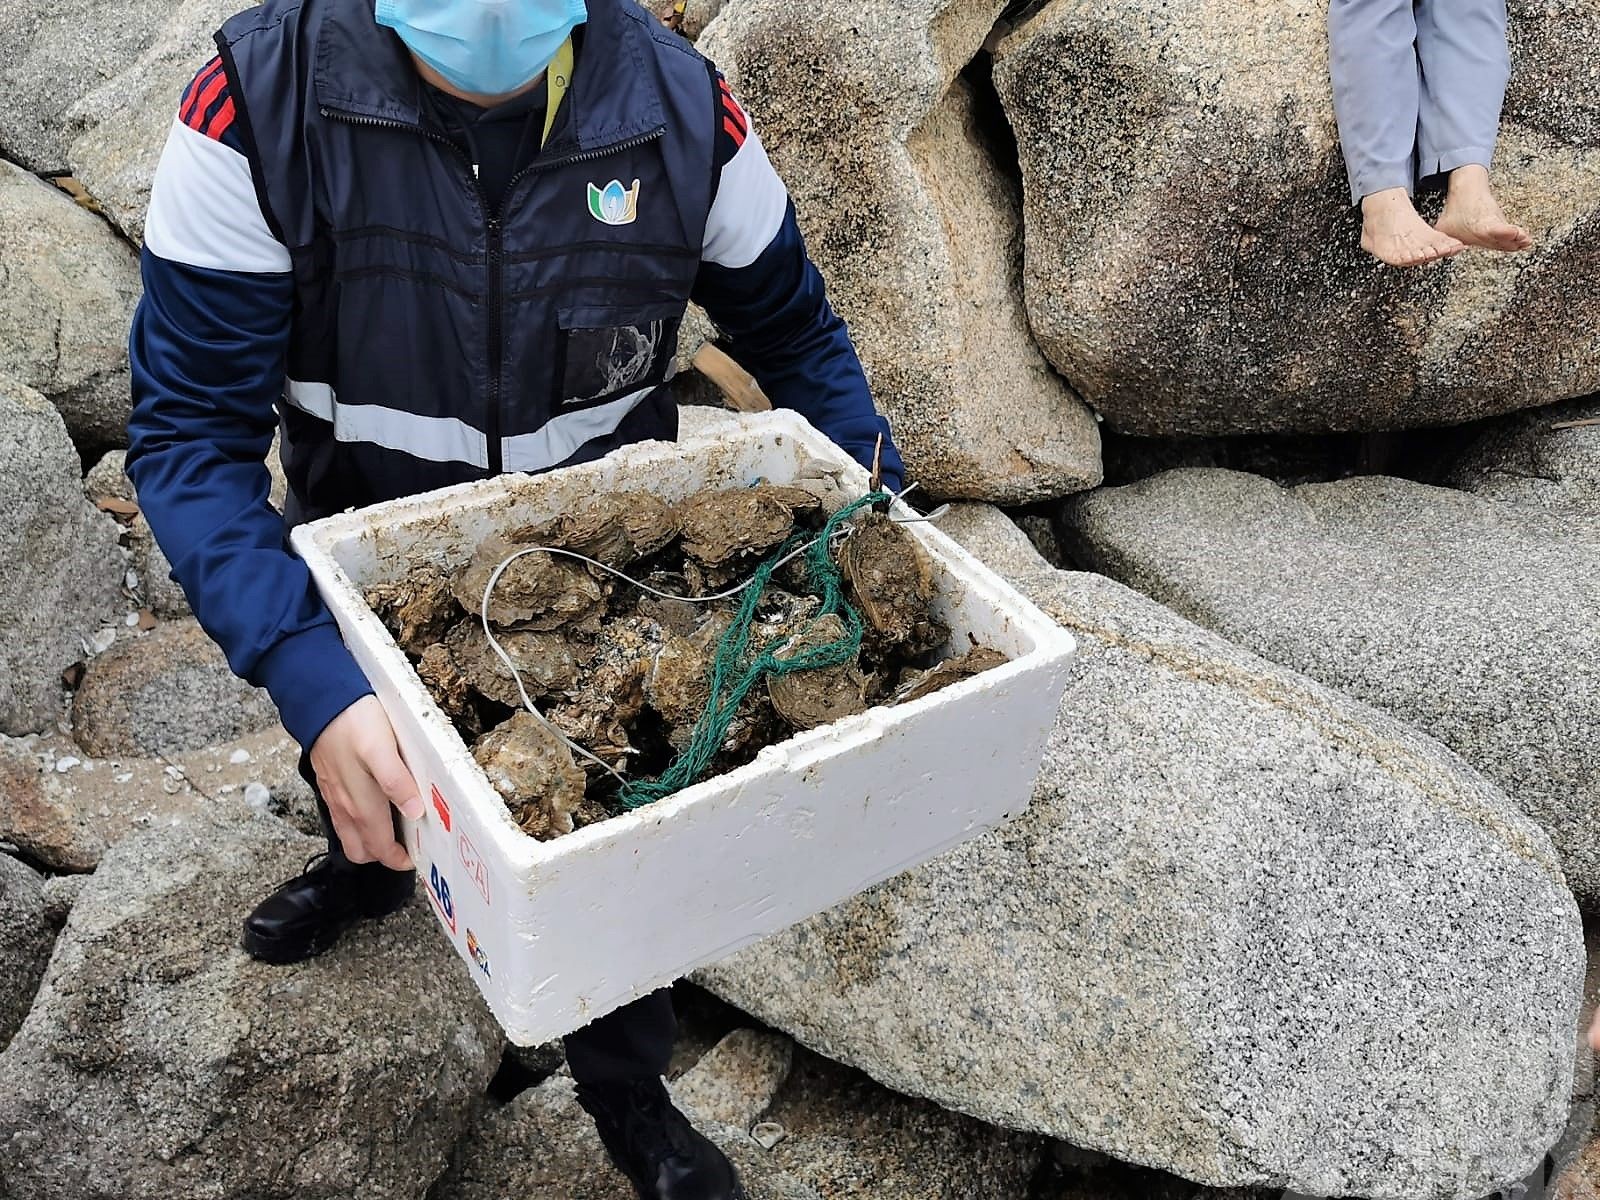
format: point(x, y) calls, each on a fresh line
point(437, 240)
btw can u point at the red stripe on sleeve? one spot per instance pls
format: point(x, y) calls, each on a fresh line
point(207, 72)
point(733, 131)
point(197, 111)
point(732, 110)
point(219, 123)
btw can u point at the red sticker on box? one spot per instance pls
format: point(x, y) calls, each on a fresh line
point(440, 807)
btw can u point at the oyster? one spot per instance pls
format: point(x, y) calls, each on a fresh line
point(534, 774)
point(547, 662)
point(613, 527)
point(975, 661)
point(417, 609)
point(820, 695)
point(537, 591)
point(610, 692)
point(719, 526)
point(891, 580)
point(450, 688)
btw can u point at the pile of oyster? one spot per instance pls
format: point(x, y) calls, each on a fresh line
point(625, 673)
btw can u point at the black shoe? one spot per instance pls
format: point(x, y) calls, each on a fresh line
point(306, 915)
point(663, 1156)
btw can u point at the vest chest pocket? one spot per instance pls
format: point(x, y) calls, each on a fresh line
point(607, 352)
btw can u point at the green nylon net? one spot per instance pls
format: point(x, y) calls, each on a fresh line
point(735, 670)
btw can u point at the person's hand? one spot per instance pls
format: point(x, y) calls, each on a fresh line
point(1594, 1033)
point(361, 774)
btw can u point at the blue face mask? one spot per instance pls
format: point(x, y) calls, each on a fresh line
point(487, 47)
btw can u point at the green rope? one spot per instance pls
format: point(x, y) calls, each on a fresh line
point(735, 672)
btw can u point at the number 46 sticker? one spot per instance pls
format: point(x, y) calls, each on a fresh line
point(439, 892)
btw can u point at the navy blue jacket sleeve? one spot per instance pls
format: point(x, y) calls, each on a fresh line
point(764, 292)
point(781, 328)
point(207, 350)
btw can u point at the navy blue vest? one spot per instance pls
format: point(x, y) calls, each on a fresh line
point(435, 341)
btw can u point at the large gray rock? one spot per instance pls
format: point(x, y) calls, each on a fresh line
point(1192, 257)
point(914, 224)
point(63, 567)
point(1469, 619)
point(1220, 940)
point(26, 937)
point(64, 811)
point(68, 286)
point(56, 50)
point(121, 126)
point(542, 1146)
point(167, 690)
point(1549, 457)
point(159, 1061)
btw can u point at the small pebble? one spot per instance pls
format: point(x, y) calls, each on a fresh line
point(240, 755)
point(174, 772)
point(768, 1134)
point(67, 763)
point(257, 796)
point(131, 620)
point(123, 776)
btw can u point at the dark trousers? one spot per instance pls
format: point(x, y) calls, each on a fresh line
point(635, 1041)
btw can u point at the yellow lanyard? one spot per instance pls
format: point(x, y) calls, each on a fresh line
point(557, 77)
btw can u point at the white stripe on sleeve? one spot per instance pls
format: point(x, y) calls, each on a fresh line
point(204, 211)
point(748, 210)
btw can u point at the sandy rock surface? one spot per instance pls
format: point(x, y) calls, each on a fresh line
point(159, 1061)
point(68, 286)
point(64, 567)
point(56, 51)
point(914, 226)
point(1549, 457)
point(1192, 260)
point(163, 692)
point(1237, 895)
point(26, 939)
point(65, 809)
point(1467, 618)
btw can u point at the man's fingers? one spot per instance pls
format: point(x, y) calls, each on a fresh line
point(341, 813)
point(389, 770)
point(376, 821)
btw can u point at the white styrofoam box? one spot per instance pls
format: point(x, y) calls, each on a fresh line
point(557, 933)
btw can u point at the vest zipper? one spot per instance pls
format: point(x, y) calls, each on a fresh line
point(495, 233)
point(496, 350)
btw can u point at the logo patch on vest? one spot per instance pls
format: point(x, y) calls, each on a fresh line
point(614, 204)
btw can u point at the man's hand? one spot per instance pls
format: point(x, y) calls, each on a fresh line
point(360, 773)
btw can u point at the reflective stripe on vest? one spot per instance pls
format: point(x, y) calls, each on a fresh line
point(445, 439)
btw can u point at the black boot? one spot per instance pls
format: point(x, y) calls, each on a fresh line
point(306, 915)
point(663, 1156)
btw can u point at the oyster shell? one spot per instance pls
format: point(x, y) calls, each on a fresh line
point(890, 579)
point(975, 661)
point(417, 609)
point(821, 695)
point(534, 774)
point(538, 591)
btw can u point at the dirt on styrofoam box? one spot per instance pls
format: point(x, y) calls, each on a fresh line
point(557, 933)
